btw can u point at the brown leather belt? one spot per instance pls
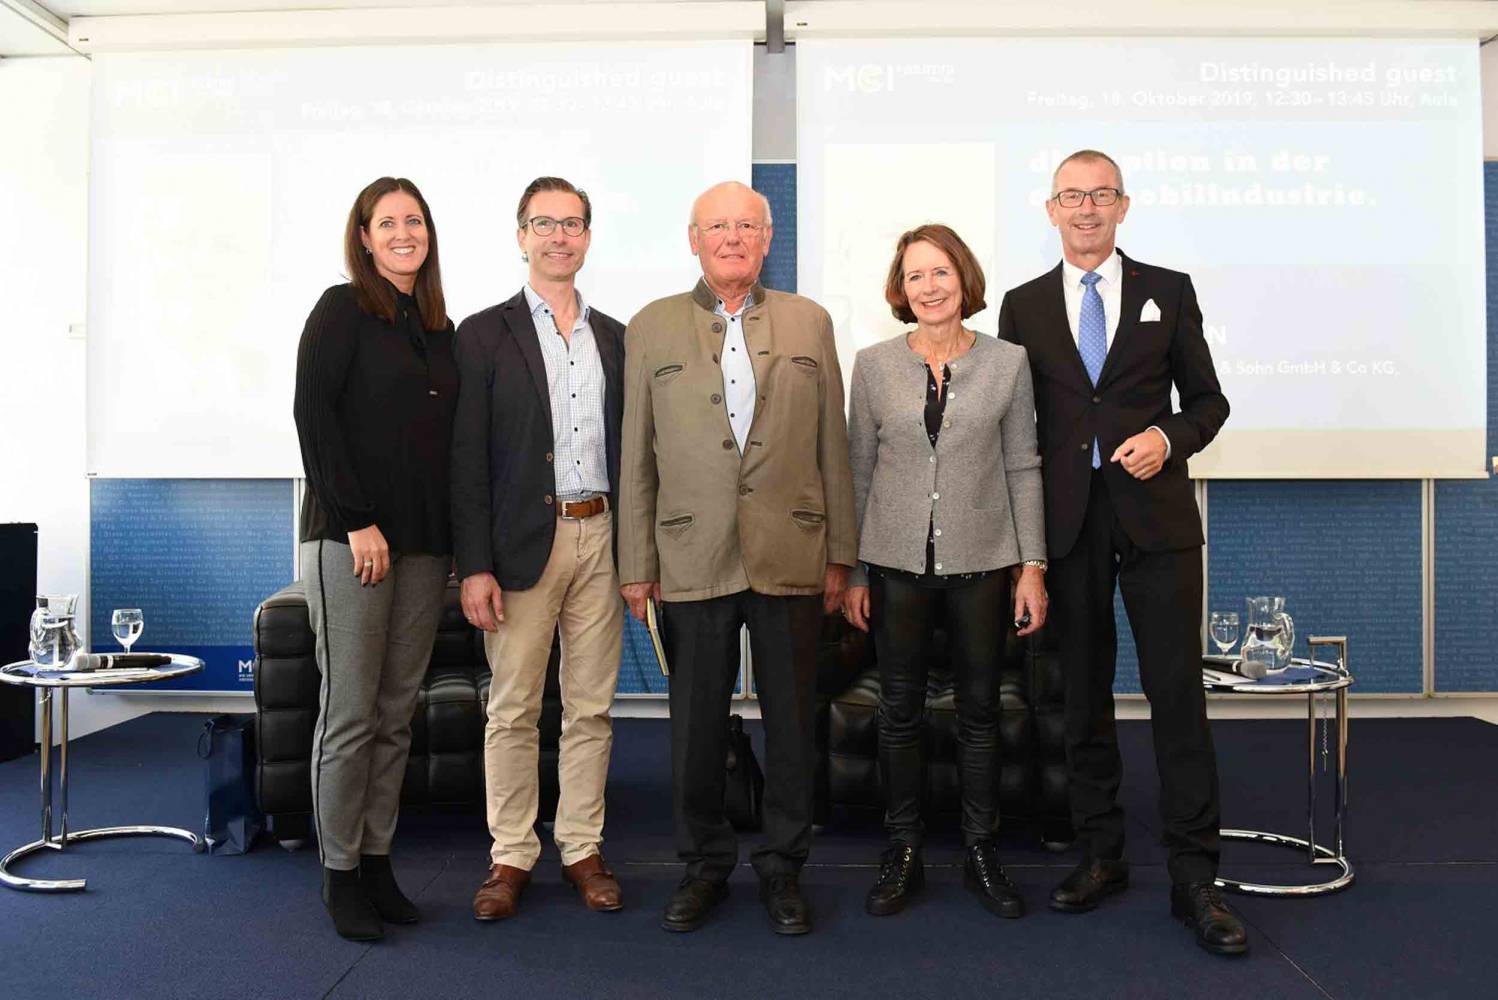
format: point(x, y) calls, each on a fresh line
point(576, 510)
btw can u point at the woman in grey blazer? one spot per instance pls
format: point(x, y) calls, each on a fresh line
point(946, 485)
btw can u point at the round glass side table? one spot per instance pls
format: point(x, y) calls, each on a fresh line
point(52, 686)
point(1312, 678)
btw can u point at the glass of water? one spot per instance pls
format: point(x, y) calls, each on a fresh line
point(127, 624)
point(1223, 627)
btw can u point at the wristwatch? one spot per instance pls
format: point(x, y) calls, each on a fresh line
point(1039, 564)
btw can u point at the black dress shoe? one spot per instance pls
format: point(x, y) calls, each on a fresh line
point(691, 902)
point(383, 891)
point(1088, 883)
point(901, 875)
point(1200, 906)
point(984, 877)
point(354, 916)
point(784, 903)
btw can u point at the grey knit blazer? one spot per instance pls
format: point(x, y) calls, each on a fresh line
point(980, 485)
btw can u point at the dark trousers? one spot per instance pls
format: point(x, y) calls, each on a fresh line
point(1162, 594)
point(904, 616)
point(702, 647)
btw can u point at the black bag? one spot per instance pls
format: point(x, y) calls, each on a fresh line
point(232, 818)
point(744, 791)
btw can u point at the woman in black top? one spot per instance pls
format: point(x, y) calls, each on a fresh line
point(376, 386)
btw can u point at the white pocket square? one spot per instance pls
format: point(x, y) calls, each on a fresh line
point(1150, 313)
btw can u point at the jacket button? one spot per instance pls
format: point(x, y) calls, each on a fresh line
point(947, 423)
point(727, 443)
point(1085, 446)
point(1097, 399)
point(717, 327)
point(548, 499)
point(744, 491)
point(548, 456)
point(716, 399)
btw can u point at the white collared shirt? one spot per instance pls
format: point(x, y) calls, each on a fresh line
point(738, 374)
point(576, 387)
point(1110, 287)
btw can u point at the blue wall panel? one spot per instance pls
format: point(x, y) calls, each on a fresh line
point(777, 182)
point(196, 556)
point(1466, 550)
point(1346, 557)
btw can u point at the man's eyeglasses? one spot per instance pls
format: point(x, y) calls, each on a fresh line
point(719, 230)
point(1101, 197)
point(545, 225)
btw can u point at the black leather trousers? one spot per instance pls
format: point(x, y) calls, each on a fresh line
point(904, 616)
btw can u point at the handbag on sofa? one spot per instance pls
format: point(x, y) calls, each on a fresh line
point(744, 789)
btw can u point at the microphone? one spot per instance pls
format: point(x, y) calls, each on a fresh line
point(89, 662)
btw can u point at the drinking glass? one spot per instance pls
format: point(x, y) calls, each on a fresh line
point(1223, 626)
point(127, 624)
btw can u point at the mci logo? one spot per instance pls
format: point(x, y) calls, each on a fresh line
point(878, 78)
point(246, 671)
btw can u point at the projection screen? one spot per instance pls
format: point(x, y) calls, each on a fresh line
point(221, 182)
point(1325, 196)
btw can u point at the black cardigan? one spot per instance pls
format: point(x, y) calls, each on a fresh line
point(374, 412)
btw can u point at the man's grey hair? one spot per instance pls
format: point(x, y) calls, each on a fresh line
point(1092, 155)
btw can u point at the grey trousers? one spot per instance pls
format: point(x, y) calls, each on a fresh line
point(373, 645)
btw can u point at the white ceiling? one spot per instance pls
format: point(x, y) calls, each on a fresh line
point(21, 36)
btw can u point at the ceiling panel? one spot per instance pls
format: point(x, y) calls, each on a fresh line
point(106, 8)
point(20, 37)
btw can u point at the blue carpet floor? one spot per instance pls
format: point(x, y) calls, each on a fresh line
point(160, 921)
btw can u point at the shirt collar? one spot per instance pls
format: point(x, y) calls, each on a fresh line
point(722, 310)
point(537, 303)
point(1111, 271)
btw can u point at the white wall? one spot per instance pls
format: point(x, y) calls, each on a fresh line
point(44, 114)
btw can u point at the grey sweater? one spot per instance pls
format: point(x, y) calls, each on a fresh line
point(980, 485)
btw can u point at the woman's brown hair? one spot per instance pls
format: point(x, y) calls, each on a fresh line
point(969, 274)
point(374, 294)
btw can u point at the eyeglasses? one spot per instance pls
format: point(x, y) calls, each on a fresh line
point(545, 225)
point(720, 230)
point(1101, 197)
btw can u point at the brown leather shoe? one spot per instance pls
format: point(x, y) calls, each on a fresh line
point(596, 884)
point(499, 896)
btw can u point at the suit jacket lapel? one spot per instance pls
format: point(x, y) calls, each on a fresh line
point(528, 338)
point(1131, 301)
point(1055, 319)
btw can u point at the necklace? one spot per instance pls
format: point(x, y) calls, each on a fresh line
point(940, 363)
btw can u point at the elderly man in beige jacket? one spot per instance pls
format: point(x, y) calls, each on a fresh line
point(736, 508)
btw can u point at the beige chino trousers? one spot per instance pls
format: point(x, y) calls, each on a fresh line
point(578, 593)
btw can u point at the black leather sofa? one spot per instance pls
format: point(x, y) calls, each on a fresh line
point(447, 730)
point(446, 763)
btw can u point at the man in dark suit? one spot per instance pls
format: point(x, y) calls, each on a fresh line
point(535, 467)
point(1107, 338)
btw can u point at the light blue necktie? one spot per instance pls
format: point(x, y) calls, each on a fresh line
point(1092, 339)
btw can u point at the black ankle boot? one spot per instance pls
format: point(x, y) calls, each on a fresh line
point(381, 888)
point(354, 916)
point(901, 876)
point(984, 877)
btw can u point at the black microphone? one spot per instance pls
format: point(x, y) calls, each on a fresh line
point(89, 662)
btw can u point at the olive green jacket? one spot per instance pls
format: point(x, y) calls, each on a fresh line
point(692, 512)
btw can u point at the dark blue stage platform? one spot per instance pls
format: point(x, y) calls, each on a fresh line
point(160, 921)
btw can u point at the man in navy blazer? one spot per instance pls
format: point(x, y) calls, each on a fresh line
point(1107, 338)
point(535, 469)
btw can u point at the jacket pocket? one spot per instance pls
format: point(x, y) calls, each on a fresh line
point(676, 524)
point(811, 520)
point(666, 373)
point(804, 363)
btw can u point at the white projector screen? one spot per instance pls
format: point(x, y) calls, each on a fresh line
point(1325, 196)
point(221, 182)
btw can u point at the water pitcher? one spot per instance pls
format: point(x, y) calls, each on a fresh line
point(53, 640)
point(1269, 634)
